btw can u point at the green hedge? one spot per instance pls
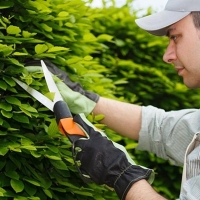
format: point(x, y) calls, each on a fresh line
point(107, 53)
point(35, 159)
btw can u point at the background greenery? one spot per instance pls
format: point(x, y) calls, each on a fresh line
point(107, 53)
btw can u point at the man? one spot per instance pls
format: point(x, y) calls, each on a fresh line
point(167, 134)
point(170, 135)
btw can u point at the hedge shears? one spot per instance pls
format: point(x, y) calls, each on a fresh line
point(60, 108)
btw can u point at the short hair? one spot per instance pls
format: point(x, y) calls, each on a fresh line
point(196, 18)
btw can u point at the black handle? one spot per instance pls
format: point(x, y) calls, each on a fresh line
point(61, 111)
point(65, 122)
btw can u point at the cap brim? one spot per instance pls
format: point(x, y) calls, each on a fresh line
point(157, 23)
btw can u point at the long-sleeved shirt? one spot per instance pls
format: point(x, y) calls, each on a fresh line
point(175, 136)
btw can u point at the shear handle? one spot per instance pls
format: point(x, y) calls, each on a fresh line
point(65, 122)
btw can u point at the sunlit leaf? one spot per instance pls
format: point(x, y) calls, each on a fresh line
point(13, 30)
point(55, 49)
point(40, 48)
point(17, 185)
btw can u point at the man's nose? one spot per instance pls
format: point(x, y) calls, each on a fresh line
point(170, 53)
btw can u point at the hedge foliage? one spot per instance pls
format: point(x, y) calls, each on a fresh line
point(107, 53)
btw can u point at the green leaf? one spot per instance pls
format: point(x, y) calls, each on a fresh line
point(73, 60)
point(3, 85)
point(52, 157)
point(5, 124)
point(3, 132)
point(13, 129)
point(21, 118)
point(35, 154)
point(131, 146)
point(26, 112)
point(20, 54)
point(9, 81)
point(26, 141)
point(50, 95)
point(59, 164)
point(84, 193)
point(53, 148)
point(104, 38)
point(40, 48)
point(89, 37)
point(15, 161)
point(6, 50)
point(63, 14)
point(5, 106)
point(53, 128)
point(16, 62)
point(27, 34)
point(99, 117)
point(48, 193)
point(28, 147)
point(6, 4)
point(13, 70)
point(2, 192)
point(13, 30)
point(12, 89)
point(12, 174)
point(6, 114)
point(30, 189)
point(17, 185)
point(29, 79)
point(46, 27)
point(28, 108)
point(55, 49)
point(32, 181)
point(68, 184)
point(45, 182)
point(88, 58)
point(1, 121)
point(2, 164)
point(3, 151)
point(13, 100)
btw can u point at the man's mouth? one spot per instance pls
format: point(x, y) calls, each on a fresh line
point(179, 70)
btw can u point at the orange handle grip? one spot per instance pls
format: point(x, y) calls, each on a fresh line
point(68, 126)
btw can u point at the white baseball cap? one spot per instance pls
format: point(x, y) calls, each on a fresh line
point(174, 11)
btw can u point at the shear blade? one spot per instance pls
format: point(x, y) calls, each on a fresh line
point(37, 95)
point(50, 83)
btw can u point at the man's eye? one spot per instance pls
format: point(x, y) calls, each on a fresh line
point(174, 37)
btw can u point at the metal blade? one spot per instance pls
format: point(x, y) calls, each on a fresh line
point(50, 83)
point(37, 95)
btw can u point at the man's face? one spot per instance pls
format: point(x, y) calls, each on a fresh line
point(183, 51)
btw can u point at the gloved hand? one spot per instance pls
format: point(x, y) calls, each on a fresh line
point(78, 100)
point(106, 162)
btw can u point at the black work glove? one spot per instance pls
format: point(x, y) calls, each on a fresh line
point(78, 99)
point(106, 162)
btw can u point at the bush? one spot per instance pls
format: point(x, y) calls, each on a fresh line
point(35, 159)
point(107, 53)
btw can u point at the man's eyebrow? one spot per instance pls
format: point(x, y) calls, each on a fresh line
point(169, 31)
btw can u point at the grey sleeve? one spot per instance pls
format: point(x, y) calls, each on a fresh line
point(167, 134)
